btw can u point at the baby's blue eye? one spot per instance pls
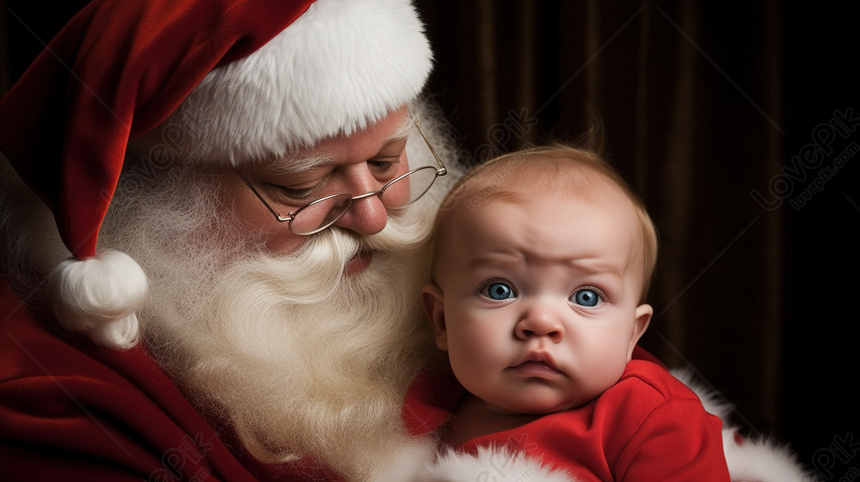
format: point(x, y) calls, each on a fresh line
point(586, 297)
point(498, 291)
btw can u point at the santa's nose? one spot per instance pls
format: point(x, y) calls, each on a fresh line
point(365, 216)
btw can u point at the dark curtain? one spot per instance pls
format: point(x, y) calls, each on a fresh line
point(736, 122)
point(738, 125)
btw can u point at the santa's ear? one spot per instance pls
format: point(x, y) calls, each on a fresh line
point(434, 308)
point(640, 324)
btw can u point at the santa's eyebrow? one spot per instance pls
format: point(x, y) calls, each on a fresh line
point(403, 132)
point(300, 164)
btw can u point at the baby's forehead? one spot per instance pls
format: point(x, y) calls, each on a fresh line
point(499, 198)
point(586, 185)
point(484, 207)
point(549, 177)
point(556, 229)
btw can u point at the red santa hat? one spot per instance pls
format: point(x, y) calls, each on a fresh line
point(242, 80)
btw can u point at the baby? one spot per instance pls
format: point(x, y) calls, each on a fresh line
point(541, 267)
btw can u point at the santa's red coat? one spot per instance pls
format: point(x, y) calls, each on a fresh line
point(72, 410)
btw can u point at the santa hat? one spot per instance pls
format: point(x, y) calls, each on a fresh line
point(240, 79)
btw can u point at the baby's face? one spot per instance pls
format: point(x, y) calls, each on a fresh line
point(538, 303)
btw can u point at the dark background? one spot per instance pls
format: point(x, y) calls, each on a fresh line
point(708, 109)
point(701, 104)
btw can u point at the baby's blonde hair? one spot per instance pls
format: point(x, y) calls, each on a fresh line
point(551, 169)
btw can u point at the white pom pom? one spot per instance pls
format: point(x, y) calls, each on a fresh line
point(99, 296)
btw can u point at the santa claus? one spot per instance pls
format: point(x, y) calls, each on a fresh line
point(214, 218)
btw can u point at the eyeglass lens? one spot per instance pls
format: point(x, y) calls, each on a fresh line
point(320, 213)
point(407, 190)
point(326, 211)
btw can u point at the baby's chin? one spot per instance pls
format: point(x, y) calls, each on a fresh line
point(536, 406)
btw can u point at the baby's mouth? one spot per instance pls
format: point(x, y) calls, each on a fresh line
point(538, 365)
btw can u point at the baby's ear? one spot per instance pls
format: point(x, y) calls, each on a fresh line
point(640, 324)
point(434, 308)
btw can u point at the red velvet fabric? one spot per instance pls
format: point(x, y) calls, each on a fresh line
point(116, 70)
point(71, 410)
point(647, 427)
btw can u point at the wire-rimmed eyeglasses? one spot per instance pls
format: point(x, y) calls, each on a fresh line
point(321, 213)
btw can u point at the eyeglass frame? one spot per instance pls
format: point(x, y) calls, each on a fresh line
point(441, 170)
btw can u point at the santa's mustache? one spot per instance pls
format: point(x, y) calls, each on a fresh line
point(315, 271)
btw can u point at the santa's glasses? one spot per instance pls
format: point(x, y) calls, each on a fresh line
point(321, 213)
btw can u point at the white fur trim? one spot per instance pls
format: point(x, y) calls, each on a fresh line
point(711, 400)
point(339, 67)
point(491, 464)
point(754, 460)
point(761, 460)
point(408, 462)
point(99, 296)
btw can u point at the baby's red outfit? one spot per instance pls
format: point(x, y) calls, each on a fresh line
point(648, 426)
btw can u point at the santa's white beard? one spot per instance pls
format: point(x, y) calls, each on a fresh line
point(301, 359)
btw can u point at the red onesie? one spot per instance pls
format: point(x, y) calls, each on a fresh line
point(648, 426)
